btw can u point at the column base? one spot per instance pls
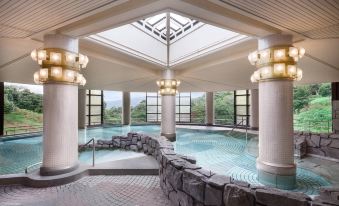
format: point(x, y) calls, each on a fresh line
point(278, 176)
point(48, 171)
point(170, 136)
point(209, 124)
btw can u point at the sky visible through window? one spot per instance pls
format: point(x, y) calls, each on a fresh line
point(179, 25)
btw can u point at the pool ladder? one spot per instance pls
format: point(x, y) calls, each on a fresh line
point(93, 155)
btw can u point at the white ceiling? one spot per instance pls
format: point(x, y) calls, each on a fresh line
point(314, 27)
point(315, 19)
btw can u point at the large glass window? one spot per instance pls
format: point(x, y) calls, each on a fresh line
point(153, 108)
point(94, 107)
point(312, 108)
point(183, 107)
point(198, 100)
point(22, 108)
point(224, 107)
point(241, 103)
point(112, 107)
point(138, 104)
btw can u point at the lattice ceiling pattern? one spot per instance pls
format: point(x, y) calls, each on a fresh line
point(178, 26)
point(315, 19)
point(22, 18)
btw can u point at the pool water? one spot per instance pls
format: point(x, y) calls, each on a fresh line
point(214, 150)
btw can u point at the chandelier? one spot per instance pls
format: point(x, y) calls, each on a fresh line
point(276, 63)
point(168, 86)
point(59, 66)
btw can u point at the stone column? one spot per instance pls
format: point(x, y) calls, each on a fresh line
point(275, 163)
point(254, 107)
point(209, 109)
point(60, 118)
point(82, 108)
point(168, 110)
point(126, 108)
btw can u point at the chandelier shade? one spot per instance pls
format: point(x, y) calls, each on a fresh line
point(168, 86)
point(276, 63)
point(59, 66)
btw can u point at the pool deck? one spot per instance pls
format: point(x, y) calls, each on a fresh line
point(145, 165)
point(125, 190)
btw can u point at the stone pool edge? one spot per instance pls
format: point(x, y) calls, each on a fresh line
point(186, 183)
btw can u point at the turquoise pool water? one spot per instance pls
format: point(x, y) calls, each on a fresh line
point(215, 151)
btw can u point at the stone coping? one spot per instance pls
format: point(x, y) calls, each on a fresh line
point(186, 183)
point(317, 144)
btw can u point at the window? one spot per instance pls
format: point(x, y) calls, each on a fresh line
point(241, 107)
point(153, 107)
point(112, 107)
point(224, 107)
point(179, 25)
point(94, 107)
point(138, 107)
point(198, 101)
point(22, 108)
point(183, 107)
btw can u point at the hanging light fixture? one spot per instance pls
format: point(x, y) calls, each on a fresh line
point(276, 63)
point(59, 65)
point(168, 86)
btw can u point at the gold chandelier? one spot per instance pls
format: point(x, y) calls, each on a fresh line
point(276, 63)
point(168, 86)
point(59, 66)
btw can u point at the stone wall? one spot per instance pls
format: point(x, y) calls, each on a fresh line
point(187, 184)
point(326, 145)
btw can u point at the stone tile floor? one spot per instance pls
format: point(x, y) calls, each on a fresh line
point(91, 190)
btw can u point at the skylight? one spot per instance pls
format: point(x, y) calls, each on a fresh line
point(168, 41)
point(179, 26)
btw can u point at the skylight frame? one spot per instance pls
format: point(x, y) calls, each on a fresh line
point(179, 29)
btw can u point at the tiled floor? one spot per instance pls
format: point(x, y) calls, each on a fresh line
point(91, 190)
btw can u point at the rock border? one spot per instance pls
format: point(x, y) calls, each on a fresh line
point(187, 184)
point(319, 144)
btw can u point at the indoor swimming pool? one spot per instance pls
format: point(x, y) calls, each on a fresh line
point(217, 151)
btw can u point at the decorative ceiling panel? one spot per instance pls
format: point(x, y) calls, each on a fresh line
point(22, 18)
point(315, 19)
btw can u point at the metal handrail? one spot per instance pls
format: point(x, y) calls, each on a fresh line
point(93, 149)
point(26, 128)
point(236, 126)
point(32, 165)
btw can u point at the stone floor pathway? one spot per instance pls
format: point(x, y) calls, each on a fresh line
point(91, 190)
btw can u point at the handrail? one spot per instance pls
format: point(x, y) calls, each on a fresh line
point(236, 125)
point(93, 149)
point(26, 128)
point(32, 165)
